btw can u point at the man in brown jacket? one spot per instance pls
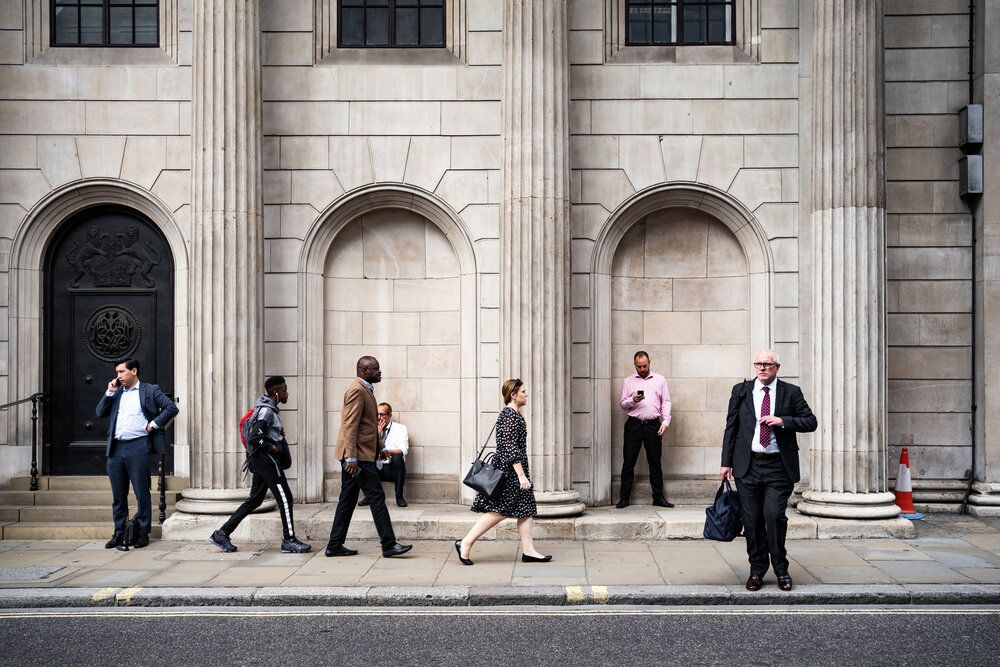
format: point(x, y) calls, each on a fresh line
point(357, 448)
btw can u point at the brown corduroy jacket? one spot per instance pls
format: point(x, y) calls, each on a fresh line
point(358, 435)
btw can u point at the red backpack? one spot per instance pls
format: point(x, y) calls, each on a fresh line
point(245, 423)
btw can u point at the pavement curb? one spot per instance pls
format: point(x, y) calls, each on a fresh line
point(481, 596)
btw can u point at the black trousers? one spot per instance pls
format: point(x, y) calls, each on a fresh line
point(638, 435)
point(129, 462)
point(267, 476)
point(764, 494)
point(368, 481)
point(394, 470)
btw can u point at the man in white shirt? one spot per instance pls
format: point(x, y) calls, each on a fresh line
point(394, 439)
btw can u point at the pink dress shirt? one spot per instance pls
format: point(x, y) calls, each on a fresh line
point(657, 397)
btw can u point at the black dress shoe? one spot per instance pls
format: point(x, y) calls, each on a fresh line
point(784, 582)
point(401, 502)
point(661, 502)
point(622, 504)
point(535, 559)
point(115, 540)
point(143, 541)
point(754, 582)
point(339, 551)
point(221, 540)
point(458, 548)
point(364, 502)
point(396, 549)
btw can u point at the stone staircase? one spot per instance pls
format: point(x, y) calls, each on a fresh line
point(70, 508)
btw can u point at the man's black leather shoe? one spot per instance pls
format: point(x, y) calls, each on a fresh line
point(661, 502)
point(364, 502)
point(396, 549)
point(784, 582)
point(115, 540)
point(754, 582)
point(339, 551)
point(622, 504)
point(143, 541)
point(401, 502)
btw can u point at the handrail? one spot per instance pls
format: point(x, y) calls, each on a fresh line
point(34, 399)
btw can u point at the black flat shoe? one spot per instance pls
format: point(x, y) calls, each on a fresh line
point(115, 540)
point(662, 502)
point(364, 502)
point(458, 549)
point(339, 551)
point(622, 504)
point(534, 559)
point(396, 549)
point(401, 502)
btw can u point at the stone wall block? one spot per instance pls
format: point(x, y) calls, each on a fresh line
point(727, 327)
point(429, 295)
point(754, 187)
point(461, 188)
point(642, 161)
point(438, 328)
point(681, 157)
point(355, 294)
point(593, 152)
point(721, 160)
point(395, 118)
point(469, 118)
point(133, 118)
point(710, 293)
point(43, 117)
point(22, 186)
point(305, 118)
point(427, 161)
point(350, 159)
point(316, 187)
point(709, 361)
point(643, 117)
point(391, 329)
point(144, 158)
point(18, 152)
point(607, 187)
point(669, 328)
point(641, 293)
point(753, 81)
point(676, 82)
point(440, 261)
point(602, 82)
point(388, 157)
point(100, 156)
point(394, 245)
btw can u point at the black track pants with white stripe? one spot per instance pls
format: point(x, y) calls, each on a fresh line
point(267, 476)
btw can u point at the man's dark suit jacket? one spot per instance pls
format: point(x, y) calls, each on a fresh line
point(742, 419)
point(156, 406)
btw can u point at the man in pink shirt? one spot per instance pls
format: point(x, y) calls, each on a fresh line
point(646, 399)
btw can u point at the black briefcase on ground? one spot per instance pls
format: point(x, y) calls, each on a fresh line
point(483, 477)
point(131, 534)
point(724, 518)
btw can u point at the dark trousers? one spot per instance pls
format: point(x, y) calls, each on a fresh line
point(267, 476)
point(764, 494)
point(129, 462)
point(368, 481)
point(394, 470)
point(637, 435)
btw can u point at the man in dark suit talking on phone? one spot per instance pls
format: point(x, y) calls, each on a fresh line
point(139, 414)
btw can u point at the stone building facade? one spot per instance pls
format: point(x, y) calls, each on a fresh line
point(536, 198)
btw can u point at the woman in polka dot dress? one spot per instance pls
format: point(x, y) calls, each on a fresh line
point(516, 499)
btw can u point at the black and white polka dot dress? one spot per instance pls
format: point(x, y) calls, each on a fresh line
point(512, 444)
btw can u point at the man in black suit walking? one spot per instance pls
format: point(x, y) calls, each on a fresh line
point(761, 451)
point(139, 414)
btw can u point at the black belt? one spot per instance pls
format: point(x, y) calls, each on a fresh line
point(128, 440)
point(645, 421)
point(761, 456)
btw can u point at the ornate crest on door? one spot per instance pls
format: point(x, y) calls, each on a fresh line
point(111, 260)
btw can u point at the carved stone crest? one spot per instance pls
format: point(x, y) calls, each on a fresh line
point(112, 259)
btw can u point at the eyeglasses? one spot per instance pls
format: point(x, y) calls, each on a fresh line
point(760, 365)
point(384, 414)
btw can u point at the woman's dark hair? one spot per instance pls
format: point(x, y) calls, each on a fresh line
point(510, 388)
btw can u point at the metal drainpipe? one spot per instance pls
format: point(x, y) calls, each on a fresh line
point(972, 209)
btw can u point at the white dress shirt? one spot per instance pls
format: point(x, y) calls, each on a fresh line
point(395, 436)
point(131, 422)
point(758, 399)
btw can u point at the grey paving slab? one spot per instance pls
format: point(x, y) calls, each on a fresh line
point(970, 557)
point(33, 573)
point(103, 578)
point(851, 574)
point(921, 572)
point(982, 575)
point(266, 575)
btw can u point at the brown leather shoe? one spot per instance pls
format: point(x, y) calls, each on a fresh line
point(754, 582)
point(784, 582)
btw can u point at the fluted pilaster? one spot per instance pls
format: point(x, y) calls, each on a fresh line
point(535, 239)
point(226, 297)
point(848, 473)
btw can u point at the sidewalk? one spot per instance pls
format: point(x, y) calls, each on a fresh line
point(952, 559)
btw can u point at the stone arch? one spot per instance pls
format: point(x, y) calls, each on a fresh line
point(316, 247)
point(687, 195)
point(26, 301)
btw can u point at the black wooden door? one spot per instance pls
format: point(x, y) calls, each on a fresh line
point(109, 296)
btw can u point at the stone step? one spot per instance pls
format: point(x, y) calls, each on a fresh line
point(87, 483)
point(430, 489)
point(91, 497)
point(81, 513)
point(451, 522)
point(10, 498)
point(65, 530)
point(9, 514)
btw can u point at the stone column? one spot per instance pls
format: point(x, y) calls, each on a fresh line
point(535, 239)
point(848, 473)
point(226, 295)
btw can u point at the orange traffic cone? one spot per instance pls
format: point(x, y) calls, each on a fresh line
point(904, 488)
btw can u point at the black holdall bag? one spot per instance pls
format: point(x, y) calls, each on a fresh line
point(131, 534)
point(484, 477)
point(723, 518)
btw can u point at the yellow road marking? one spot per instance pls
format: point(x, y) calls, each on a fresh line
point(103, 594)
point(574, 594)
point(600, 594)
point(127, 594)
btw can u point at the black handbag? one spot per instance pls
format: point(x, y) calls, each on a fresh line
point(484, 477)
point(724, 517)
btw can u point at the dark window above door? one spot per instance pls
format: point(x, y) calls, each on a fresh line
point(680, 22)
point(117, 23)
point(391, 24)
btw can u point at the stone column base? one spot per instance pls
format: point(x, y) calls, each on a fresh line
point(217, 501)
point(985, 499)
point(849, 505)
point(558, 503)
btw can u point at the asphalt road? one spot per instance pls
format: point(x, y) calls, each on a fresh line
point(529, 636)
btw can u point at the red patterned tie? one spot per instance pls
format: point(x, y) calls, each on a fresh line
point(765, 410)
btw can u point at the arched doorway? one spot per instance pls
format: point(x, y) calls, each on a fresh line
point(108, 295)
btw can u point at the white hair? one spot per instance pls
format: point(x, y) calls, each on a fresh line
point(771, 353)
